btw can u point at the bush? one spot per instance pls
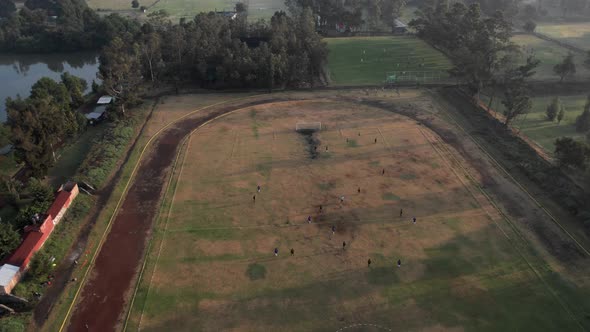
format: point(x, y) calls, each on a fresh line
point(570, 152)
point(583, 121)
point(106, 153)
point(529, 26)
point(553, 109)
point(9, 239)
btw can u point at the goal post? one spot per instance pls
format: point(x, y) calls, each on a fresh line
point(308, 126)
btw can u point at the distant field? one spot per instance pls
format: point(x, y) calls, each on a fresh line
point(577, 34)
point(549, 54)
point(366, 60)
point(189, 8)
point(543, 132)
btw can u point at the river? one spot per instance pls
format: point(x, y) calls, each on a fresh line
point(18, 72)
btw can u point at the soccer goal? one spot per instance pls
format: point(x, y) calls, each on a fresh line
point(308, 126)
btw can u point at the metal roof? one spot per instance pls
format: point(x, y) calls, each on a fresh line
point(7, 273)
point(104, 100)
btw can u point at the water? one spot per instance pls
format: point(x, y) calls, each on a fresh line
point(19, 72)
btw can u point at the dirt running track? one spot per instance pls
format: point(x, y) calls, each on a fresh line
point(104, 296)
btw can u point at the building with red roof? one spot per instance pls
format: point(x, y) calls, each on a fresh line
point(35, 237)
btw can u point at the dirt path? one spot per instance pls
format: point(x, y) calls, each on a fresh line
point(65, 270)
point(105, 294)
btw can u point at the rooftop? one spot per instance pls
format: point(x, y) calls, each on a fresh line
point(104, 100)
point(7, 273)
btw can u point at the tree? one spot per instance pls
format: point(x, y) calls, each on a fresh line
point(553, 109)
point(570, 152)
point(583, 120)
point(529, 26)
point(37, 125)
point(151, 55)
point(566, 68)
point(76, 87)
point(561, 114)
point(120, 72)
point(134, 4)
point(46, 88)
point(240, 7)
point(5, 135)
point(40, 264)
point(9, 239)
point(516, 99)
point(7, 8)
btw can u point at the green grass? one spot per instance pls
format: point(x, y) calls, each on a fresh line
point(256, 271)
point(577, 34)
point(391, 197)
point(72, 156)
point(402, 53)
point(351, 143)
point(543, 132)
point(549, 54)
point(258, 9)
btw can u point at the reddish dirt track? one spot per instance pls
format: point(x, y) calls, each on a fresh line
point(103, 299)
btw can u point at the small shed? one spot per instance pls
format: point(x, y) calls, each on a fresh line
point(9, 277)
point(399, 27)
point(99, 110)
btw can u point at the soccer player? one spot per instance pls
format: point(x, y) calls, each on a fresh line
point(276, 251)
point(399, 263)
point(333, 229)
point(343, 245)
point(369, 263)
point(341, 199)
point(254, 198)
point(375, 141)
point(309, 219)
point(414, 220)
point(258, 188)
point(383, 172)
point(292, 252)
point(401, 212)
point(359, 190)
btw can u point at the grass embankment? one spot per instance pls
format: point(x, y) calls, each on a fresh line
point(549, 54)
point(536, 126)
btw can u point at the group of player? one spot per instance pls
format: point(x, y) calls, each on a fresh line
point(333, 228)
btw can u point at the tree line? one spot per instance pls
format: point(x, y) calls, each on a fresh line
point(45, 26)
point(213, 51)
point(378, 15)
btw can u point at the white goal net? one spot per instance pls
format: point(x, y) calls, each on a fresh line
point(308, 126)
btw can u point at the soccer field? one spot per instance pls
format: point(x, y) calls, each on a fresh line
point(577, 34)
point(367, 60)
point(189, 8)
point(212, 266)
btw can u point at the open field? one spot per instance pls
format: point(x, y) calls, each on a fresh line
point(379, 56)
point(215, 269)
point(549, 54)
point(189, 8)
point(577, 34)
point(543, 132)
